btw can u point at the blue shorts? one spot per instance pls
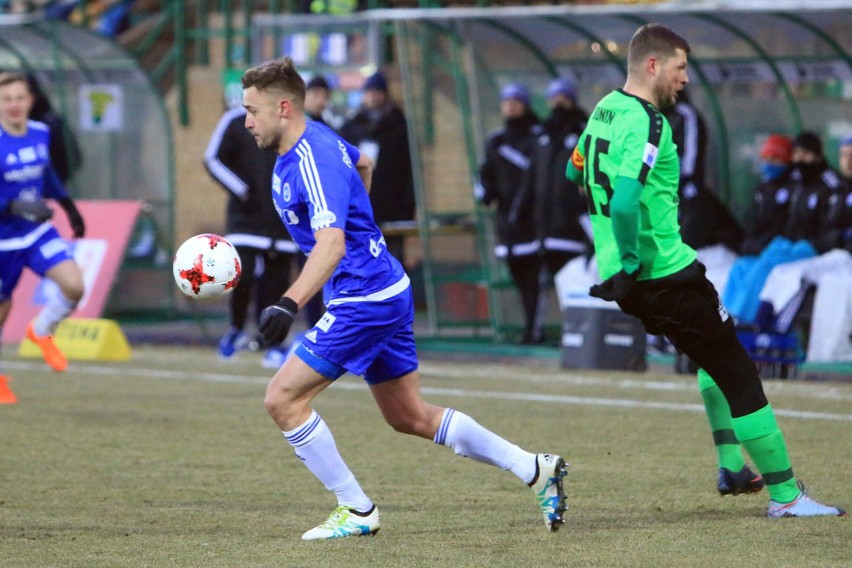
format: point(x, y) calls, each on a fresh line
point(44, 253)
point(374, 339)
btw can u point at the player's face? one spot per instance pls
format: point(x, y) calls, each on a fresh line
point(15, 104)
point(263, 118)
point(671, 79)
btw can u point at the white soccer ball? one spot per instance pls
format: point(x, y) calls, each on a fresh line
point(206, 266)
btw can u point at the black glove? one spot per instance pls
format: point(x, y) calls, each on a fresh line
point(275, 321)
point(616, 287)
point(78, 226)
point(35, 211)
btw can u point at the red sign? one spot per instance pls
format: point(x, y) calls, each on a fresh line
point(99, 255)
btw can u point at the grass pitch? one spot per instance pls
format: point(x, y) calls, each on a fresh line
point(170, 460)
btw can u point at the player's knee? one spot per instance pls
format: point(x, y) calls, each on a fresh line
point(74, 291)
point(279, 405)
point(414, 425)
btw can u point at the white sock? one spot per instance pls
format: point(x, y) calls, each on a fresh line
point(314, 444)
point(467, 438)
point(57, 308)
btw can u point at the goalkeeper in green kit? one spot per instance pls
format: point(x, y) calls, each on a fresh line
point(628, 164)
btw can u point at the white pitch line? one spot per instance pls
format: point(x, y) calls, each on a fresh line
point(125, 370)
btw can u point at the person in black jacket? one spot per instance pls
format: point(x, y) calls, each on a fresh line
point(502, 177)
point(840, 210)
point(317, 95)
point(559, 205)
point(704, 219)
point(379, 130)
point(813, 183)
point(253, 227)
point(772, 195)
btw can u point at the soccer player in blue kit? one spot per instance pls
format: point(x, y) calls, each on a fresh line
point(320, 188)
point(27, 239)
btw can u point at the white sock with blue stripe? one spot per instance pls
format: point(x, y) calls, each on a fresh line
point(56, 309)
point(469, 439)
point(314, 444)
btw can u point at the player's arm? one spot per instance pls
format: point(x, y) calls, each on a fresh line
point(574, 169)
point(624, 212)
point(275, 320)
point(321, 264)
point(364, 165)
point(53, 188)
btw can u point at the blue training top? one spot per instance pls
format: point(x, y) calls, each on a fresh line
point(316, 185)
point(25, 173)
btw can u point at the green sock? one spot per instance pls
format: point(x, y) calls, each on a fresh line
point(718, 413)
point(760, 436)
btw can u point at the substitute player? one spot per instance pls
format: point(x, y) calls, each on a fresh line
point(629, 165)
point(27, 239)
point(320, 187)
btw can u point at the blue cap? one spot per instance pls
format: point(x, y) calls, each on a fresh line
point(376, 82)
point(562, 86)
point(516, 91)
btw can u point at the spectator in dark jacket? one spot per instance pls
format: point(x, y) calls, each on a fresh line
point(502, 176)
point(558, 204)
point(812, 185)
point(317, 95)
point(253, 227)
point(378, 128)
point(704, 218)
point(839, 218)
point(772, 195)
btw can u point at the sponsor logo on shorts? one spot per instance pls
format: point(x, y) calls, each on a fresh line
point(311, 336)
point(325, 322)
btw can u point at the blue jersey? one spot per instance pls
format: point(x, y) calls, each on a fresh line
point(25, 173)
point(316, 185)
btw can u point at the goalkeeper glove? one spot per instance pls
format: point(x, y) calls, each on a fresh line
point(616, 287)
point(36, 211)
point(275, 320)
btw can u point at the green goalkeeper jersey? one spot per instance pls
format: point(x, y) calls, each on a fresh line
point(630, 169)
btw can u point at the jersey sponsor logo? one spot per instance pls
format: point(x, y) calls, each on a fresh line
point(323, 219)
point(311, 336)
point(650, 156)
point(26, 173)
point(375, 249)
point(346, 159)
point(325, 322)
point(11, 159)
point(285, 192)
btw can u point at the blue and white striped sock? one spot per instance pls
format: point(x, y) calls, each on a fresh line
point(314, 445)
point(469, 439)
